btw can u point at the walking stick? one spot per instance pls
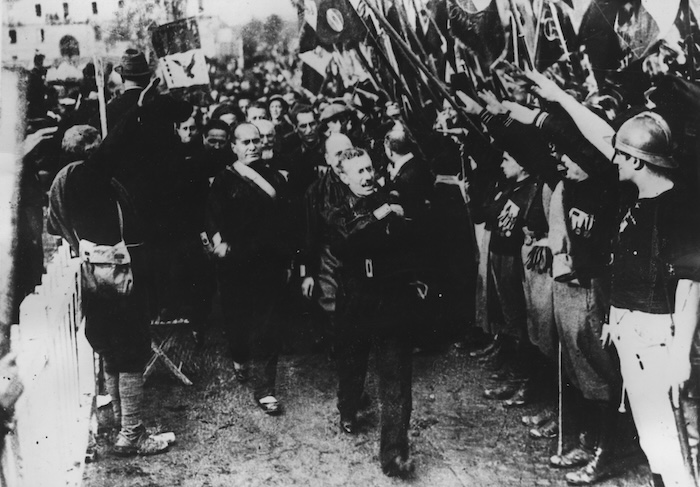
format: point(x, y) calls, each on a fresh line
point(560, 440)
point(683, 440)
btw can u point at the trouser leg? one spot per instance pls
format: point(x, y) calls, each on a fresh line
point(112, 384)
point(395, 373)
point(265, 348)
point(643, 353)
point(352, 354)
point(131, 393)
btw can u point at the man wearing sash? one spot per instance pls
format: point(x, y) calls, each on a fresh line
point(248, 225)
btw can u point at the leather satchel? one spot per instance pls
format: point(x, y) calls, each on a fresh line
point(106, 269)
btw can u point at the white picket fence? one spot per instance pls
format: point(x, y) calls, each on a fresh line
point(54, 414)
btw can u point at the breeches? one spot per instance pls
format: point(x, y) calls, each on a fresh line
point(580, 313)
point(642, 341)
point(118, 330)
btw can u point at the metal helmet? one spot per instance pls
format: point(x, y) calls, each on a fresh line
point(646, 136)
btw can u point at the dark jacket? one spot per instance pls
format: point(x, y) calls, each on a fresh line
point(253, 223)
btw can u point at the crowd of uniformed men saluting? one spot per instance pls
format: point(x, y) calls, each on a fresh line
point(566, 233)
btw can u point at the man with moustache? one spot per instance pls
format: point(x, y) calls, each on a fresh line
point(248, 228)
point(376, 297)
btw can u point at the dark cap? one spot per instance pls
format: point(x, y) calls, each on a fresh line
point(133, 64)
point(333, 111)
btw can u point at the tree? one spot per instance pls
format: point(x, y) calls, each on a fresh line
point(252, 37)
point(266, 40)
point(272, 30)
point(133, 23)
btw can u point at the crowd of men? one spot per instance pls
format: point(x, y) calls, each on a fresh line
point(537, 226)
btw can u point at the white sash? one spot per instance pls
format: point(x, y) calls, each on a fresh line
point(251, 174)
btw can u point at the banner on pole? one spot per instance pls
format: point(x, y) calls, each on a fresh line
point(181, 58)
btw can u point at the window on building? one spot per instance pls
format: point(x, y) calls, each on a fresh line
point(13, 36)
point(98, 33)
point(43, 35)
point(37, 9)
point(94, 8)
point(65, 10)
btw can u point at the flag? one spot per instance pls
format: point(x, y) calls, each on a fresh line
point(641, 25)
point(477, 25)
point(181, 58)
point(556, 37)
point(317, 58)
point(335, 21)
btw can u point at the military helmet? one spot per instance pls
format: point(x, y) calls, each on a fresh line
point(646, 136)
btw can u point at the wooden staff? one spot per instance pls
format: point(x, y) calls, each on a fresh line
point(100, 80)
point(413, 59)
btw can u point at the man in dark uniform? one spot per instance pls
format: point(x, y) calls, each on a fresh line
point(319, 267)
point(410, 183)
point(307, 157)
point(248, 224)
point(376, 296)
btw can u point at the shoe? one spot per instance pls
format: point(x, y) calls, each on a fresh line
point(241, 372)
point(348, 425)
point(495, 362)
point(501, 392)
point(398, 467)
point(576, 457)
point(507, 374)
point(270, 405)
point(595, 470)
point(144, 445)
point(484, 351)
point(548, 430)
point(490, 355)
point(521, 397)
point(656, 480)
point(539, 418)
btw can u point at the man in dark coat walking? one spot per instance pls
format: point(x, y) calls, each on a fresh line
point(377, 293)
point(248, 226)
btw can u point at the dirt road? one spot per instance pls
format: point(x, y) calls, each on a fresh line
point(457, 437)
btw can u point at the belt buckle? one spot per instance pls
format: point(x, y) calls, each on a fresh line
point(369, 268)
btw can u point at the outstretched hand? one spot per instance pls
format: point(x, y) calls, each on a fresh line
point(545, 87)
point(492, 104)
point(33, 140)
point(149, 91)
point(471, 106)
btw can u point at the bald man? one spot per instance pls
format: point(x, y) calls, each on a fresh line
point(267, 137)
point(248, 225)
point(319, 266)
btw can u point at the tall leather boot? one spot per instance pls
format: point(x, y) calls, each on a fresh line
point(600, 465)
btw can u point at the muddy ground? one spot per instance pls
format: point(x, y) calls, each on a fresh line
point(458, 438)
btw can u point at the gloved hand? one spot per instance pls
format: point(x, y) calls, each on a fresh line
point(539, 259)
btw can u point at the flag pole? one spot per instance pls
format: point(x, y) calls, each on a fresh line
point(384, 57)
point(101, 103)
point(417, 62)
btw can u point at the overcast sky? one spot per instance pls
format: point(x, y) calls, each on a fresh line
point(241, 11)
